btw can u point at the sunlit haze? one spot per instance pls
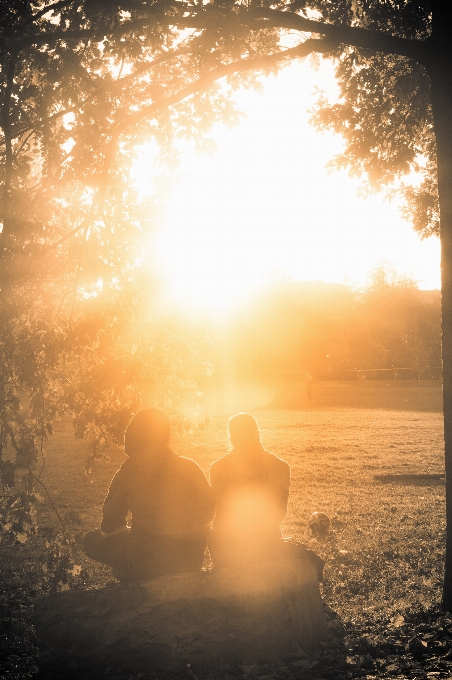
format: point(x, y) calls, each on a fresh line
point(263, 207)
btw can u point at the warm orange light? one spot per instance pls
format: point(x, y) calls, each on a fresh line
point(263, 207)
point(247, 513)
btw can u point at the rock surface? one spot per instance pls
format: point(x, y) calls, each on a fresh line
point(260, 613)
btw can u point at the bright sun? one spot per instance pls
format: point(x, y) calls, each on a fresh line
point(264, 207)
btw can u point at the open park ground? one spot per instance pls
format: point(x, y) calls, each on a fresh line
point(376, 472)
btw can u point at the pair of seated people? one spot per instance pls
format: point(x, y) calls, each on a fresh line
point(172, 505)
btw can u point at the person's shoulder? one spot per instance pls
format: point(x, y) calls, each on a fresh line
point(183, 460)
point(125, 466)
point(276, 462)
point(185, 464)
point(123, 474)
point(221, 463)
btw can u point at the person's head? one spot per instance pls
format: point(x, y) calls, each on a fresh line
point(244, 432)
point(148, 430)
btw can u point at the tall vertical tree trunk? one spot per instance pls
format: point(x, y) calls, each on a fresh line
point(6, 214)
point(6, 122)
point(440, 72)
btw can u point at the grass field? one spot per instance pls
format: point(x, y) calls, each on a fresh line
point(398, 395)
point(386, 544)
point(371, 470)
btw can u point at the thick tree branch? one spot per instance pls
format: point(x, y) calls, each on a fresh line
point(347, 35)
point(94, 33)
point(54, 6)
point(34, 127)
point(145, 67)
point(262, 18)
point(203, 83)
point(256, 18)
point(47, 38)
point(207, 79)
point(24, 142)
point(115, 87)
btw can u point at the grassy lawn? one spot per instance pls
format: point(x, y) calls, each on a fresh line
point(362, 467)
point(387, 540)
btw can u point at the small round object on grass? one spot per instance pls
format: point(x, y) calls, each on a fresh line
point(319, 524)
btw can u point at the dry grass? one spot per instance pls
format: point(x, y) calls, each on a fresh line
point(384, 553)
point(393, 533)
point(398, 395)
point(385, 548)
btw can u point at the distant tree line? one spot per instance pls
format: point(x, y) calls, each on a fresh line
point(331, 329)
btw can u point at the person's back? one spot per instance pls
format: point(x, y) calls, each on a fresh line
point(250, 493)
point(168, 496)
point(251, 490)
point(170, 501)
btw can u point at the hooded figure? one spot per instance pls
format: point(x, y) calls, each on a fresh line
point(170, 501)
point(251, 490)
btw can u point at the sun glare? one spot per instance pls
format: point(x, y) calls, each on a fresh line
point(264, 207)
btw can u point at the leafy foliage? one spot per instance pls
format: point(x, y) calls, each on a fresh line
point(84, 83)
point(18, 516)
point(385, 117)
point(384, 552)
point(328, 329)
point(77, 334)
point(384, 113)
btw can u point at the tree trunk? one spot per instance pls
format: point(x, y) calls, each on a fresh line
point(440, 72)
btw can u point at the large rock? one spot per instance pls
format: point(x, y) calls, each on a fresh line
point(260, 613)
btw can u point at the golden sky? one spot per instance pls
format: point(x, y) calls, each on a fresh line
point(264, 207)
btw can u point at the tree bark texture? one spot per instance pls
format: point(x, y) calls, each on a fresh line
point(6, 122)
point(262, 612)
point(440, 72)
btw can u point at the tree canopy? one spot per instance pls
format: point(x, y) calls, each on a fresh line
point(331, 329)
point(85, 81)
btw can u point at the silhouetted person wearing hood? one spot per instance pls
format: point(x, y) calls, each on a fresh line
point(170, 501)
point(251, 490)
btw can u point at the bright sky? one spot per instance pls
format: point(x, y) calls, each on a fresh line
point(263, 207)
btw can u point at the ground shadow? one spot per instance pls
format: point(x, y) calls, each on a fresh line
point(413, 479)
